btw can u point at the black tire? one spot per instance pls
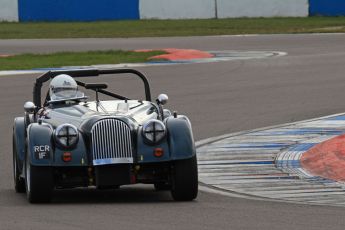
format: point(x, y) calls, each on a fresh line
point(162, 186)
point(185, 180)
point(19, 182)
point(39, 182)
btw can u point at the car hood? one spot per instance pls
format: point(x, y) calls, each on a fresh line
point(85, 114)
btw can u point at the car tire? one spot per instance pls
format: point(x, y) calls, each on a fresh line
point(38, 182)
point(19, 182)
point(162, 186)
point(185, 180)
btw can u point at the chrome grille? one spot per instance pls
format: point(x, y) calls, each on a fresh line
point(111, 142)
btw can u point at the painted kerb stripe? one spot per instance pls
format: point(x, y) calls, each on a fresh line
point(265, 163)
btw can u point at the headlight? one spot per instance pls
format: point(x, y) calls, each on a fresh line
point(154, 131)
point(66, 135)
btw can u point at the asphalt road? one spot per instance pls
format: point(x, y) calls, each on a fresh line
point(219, 98)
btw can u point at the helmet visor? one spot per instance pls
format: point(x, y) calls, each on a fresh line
point(62, 93)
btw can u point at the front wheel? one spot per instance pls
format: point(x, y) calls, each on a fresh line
point(39, 182)
point(185, 180)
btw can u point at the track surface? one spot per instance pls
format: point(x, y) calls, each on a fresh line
point(219, 98)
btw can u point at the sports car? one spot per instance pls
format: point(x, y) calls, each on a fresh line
point(65, 140)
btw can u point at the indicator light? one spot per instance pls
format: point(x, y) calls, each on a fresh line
point(158, 152)
point(67, 156)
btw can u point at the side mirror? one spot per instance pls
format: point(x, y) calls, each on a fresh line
point(29, 107)
point(162, 99)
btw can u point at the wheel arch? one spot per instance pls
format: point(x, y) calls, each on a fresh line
point(19, 140)
point(39, 144)
point(180, 137)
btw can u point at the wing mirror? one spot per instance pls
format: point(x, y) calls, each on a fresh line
point(162, 99)
point(29, 107)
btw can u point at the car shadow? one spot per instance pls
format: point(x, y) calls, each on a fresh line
point(123, 195)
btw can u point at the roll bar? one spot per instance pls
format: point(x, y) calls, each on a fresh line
point(76, 73)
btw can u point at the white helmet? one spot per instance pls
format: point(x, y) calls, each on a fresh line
point(63, 87)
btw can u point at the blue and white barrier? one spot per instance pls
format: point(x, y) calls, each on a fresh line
point(177, 9)
point(327, 7)
point(77, 10)
point(91, 10)
point(8, 10)
point(262, 8)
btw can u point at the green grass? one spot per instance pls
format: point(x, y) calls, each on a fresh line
point(31, 61)
point(153, 28)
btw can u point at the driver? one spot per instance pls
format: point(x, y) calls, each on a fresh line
point(64, 87)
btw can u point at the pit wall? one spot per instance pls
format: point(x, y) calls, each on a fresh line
point(91, 10)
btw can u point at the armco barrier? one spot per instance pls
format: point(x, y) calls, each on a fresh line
point(177, 9)
point(77, 10)
point(327, 7)
point(8, 10)
point(262, 8)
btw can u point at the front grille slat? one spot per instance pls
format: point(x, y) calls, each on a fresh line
point(103, 142)
point(107, 125)
point(111, 142)
point(111, 138)
point(128, 141)
point(122, 141)
point(118, 141)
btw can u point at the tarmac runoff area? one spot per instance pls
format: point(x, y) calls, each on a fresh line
point(302, 162)
point(174, 57)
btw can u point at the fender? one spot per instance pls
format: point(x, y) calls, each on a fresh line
point(40, 148)
point(79, 155)
point(43, 151)
point(181, 141)
point(19, 139)
point(145, 151)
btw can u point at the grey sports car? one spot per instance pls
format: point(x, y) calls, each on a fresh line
point(64, 140)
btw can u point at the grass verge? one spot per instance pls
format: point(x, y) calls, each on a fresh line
point(154, 28)
point(32, 61)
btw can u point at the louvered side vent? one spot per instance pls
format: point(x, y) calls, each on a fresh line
point(111, 142)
